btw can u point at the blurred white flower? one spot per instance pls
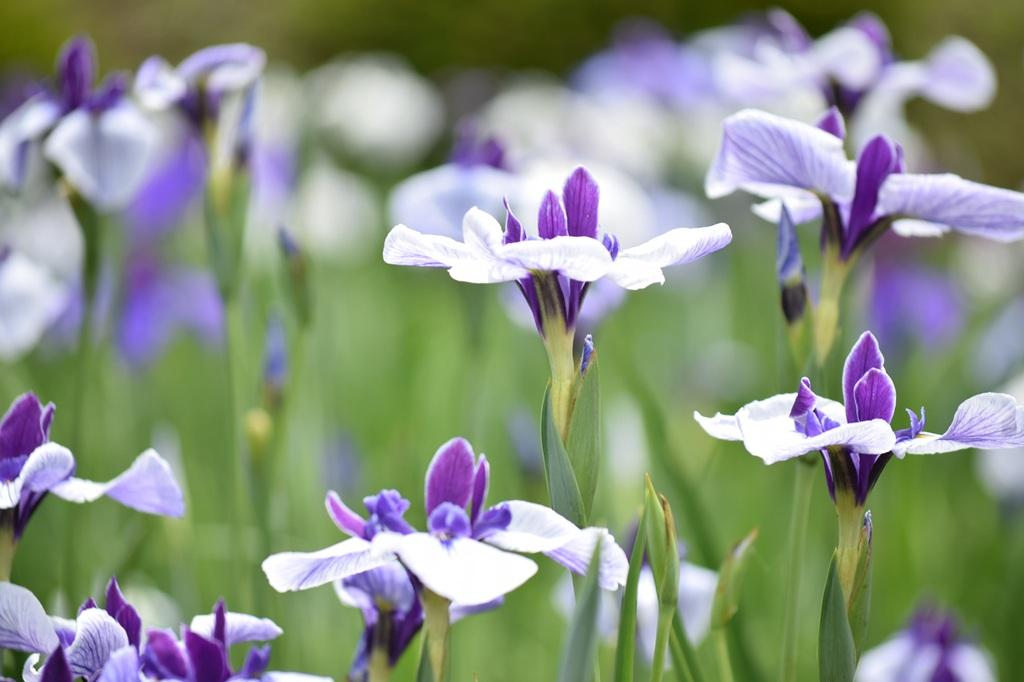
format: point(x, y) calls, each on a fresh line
point(31, 299)
point(334, 212)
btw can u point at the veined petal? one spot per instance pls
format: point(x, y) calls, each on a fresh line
point(157, 85)
point(721, 426)
point(640, 266)
point(105, 156)
point(947, 199)
point(959, 76)
point(122, 666)
point(762, 153)
point(404, 246)
point(875, 396)
point(238, 627)
point(579, 258)
point(148, 485)
point(463, 570)
point(864, 356)
point(97, 636)
point(45, 468)
point(577, 553)
point(24, 625)
point(290, 571)
point(985, 421)
point(450, 475)
point(534, 528)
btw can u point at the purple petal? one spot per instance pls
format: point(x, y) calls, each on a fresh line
point(580, 195)
point(96, 638)
point(22, 429)
point(880, 158)
point(56, 668)
point(832, 122)
point(514, 231)
point(207, 658)
point(148, 485)
point(124, 613)
point(551, 218)
point(76, 69)
point(256, 661)
point(24, 625)
point(864, 356)
point(805, 399)
point(450, 475)
point(949, 200)
point(344, 518)
point(985, 421)
point(481, 482)
point(290, 571)
point(875, 396)
point(163, 657)
point(123, 666)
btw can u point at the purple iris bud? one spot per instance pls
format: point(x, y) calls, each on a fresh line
point(588, 350)
point(449, 521)
point(275, 361)
point(789, 267)
point(76, 69)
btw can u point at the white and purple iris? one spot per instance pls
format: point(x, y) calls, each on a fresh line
point(101, 143)
point(469, 555)
point(554, 269)
point(107, 643)
point(805, 167)
point(930, 649)
point(31, 466)
point(855, 437)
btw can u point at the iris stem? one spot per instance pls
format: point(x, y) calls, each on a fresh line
point(665, 615)
point(802, 488)
point(849, 544)
point(681, 642)
point(380, 669)
point(722, 648)
point(437, 629)
point(826, 314)
point(7, 549)
point(238, 465)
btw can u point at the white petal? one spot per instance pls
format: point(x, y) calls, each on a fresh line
point(885, 662)
point(721, 426)
point(481, 232)
point(534, 528)
point(769, 156)
point(48, 464)
point(581, 258)
point(32, 670)
point(22, 127)
point(404, 246)
point(97, 637)
point(157, 85)
point(986, 421)
point(290, 571)
point(803, 207)
point(576, 555)
point(24, 625)
point(238, 627)
point(640, 266)
point(148, 485)
point(464, 570)
point(104, 156)
point(959, 76)
point(31, 300)
point(849, 57)
point(919, 228)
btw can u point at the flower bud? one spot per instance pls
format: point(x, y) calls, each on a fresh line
point(662, 549)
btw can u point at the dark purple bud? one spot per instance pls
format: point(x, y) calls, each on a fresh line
point(551, 218)
point(56, 668)
point(789, 266)
point(449, 521)
point(580, 196)
point(832, 122)
point(513, 228)
point(588, 350)
point(491, 521)
point(611, 242)
point(76, 67)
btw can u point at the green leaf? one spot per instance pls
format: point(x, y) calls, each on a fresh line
point(625, 649)
point(579, 656)
point(562, 486)
point(860, 593)
point(425, 673)
point(584, 441)
point(837, 658)
point(684, 658)
point(730, 580)
point(662, 546)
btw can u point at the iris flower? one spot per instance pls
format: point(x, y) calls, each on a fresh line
point(469, 555)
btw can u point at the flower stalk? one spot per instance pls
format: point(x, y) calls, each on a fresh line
point(826, 314)
point(802, 489)
point(437, 632)
point(8, 545)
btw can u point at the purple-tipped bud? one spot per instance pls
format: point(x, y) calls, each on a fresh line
point(588, 351)
point(275, 362)
point(789, 267)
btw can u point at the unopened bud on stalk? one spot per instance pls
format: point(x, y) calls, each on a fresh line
point(662, 549)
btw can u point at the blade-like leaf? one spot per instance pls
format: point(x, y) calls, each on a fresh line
point(730, 579)
point(837, 659)
point(562, 486)
point(860, 593)
point(578, 657)
point(684, 658)
point(583, 444)
point(625, 649)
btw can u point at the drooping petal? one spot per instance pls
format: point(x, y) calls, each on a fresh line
point(450, 475)
point(985, 421)
point(24, 625)
point(21, 428)
point(579, 258)
point(847, 56)
point(32, 299)
point(768, 155)
point(958, 76)
point(22, 127)
point(45, 468)
point(344, 518)
point(224, 68)
point(122, 666)
point(463, 570)
point(96, 638)
point(640, 266)
point(148, 485)
point(533, 528)
point(864, 356)
point(875, 396)
point(949, 200)
point(290, 571)
point(239, 627)
point(157, 85)
point(105, 156)
point(577, 554)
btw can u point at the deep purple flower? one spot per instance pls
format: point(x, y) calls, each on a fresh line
point(854, 437)
point(31, 466)
point(467, 556)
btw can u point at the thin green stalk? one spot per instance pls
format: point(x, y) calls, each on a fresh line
point(802, 488)
point(665, 617)
point(380, 667)
point(679, 664)
point(686, 648)
point(437, 631)
point(722, 649)
point(625, 649)
point(7, 548)
point(238, 464)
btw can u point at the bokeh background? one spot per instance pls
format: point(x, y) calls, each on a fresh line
point(399, 361)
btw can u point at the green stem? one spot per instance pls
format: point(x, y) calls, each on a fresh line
point(558, 342)
point(380, 667)
point(665, 615)
point(437, 629)
point(802, 489)
point(238, 464)
point(722, 649)
point(826, 314)
point(7, 549)
point(689, 656)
